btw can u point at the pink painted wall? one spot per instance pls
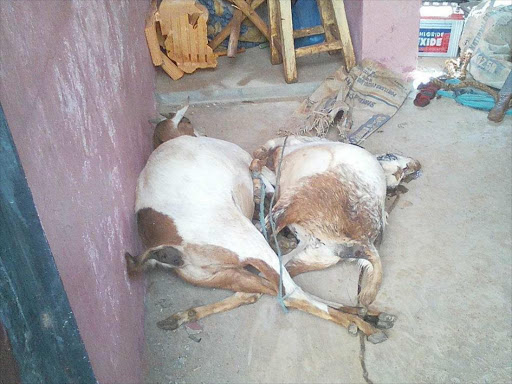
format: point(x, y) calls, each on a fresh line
point(76, 85)
point(386, 31)
point(354, 10)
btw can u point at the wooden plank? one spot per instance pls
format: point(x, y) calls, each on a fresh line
point(224, 33)
point(346, 40)
point(184, 38)
point(317, 48)
point(194, 45)
point(152, 37)
point(279, 48)
point(225, 52)
point(253, 16)
point(318, 30)
point(34, 307)
point(187, 43)
point(274, 20)
point(175, 53)
point(202, 42)
point(235, 33)
point(328, 20)
point(171, 69)
point(288, 47)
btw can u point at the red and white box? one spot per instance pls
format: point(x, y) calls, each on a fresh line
point(440, 30)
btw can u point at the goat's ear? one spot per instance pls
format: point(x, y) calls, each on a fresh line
point(179, 115)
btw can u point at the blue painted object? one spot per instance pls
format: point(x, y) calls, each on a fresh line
point(305, 14)
point(470, 97)
point(223, 18)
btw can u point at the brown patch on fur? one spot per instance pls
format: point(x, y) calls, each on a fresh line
point(268, 272)
point(268, 157)
point(328, 209)
point(413, 166)
point(343, 319)
point(260, 153)
point(228, 277)
point(374, 280)
point(165, 131)
point(398, 174)
point(257, 165)
point(194, 314)
point(224, 270)
point(275, 156)
point(308, 307)
point(157, 229)
point(210, 255)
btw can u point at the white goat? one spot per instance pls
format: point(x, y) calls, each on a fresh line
point(332, 196)
point(194, 204)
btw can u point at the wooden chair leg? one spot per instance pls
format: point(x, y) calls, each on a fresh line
point(253, 16)
point(327, 16)
point(225, 32)
point(273, 17)
point(235, 33)
point(288, 46)
point(346, 41)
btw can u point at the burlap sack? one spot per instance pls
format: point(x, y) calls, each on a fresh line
point(356, 104)
point(488, 34)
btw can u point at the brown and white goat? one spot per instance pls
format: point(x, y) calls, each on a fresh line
point(332, 196)
point(194, 204)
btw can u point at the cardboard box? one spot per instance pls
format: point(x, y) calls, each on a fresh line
point(440, 31)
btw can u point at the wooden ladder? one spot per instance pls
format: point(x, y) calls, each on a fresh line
point(334, 27)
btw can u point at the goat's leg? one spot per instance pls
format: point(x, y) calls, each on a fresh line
point(233, 278)
point(344, 319)
point(371, 314)
point(311, 260)
point(194, 314)
point(249, 288)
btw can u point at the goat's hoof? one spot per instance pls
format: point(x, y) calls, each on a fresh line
point(169, 324)
point(384, 324)
point(352, 329)
point(386, 317)
point(377, 337)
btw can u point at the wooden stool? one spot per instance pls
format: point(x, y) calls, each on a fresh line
point(334, 27)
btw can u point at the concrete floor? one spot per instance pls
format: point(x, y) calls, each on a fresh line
point(248, 77)
point(447, 258)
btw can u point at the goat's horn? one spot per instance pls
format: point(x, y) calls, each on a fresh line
point(179, 115)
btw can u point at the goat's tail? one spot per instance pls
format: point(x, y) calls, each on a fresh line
point(372, 267)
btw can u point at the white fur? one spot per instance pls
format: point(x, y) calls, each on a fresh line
point(365, 182)
point(192, 180)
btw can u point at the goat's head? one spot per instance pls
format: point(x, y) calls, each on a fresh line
point(398, 169)
point(172, 125)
